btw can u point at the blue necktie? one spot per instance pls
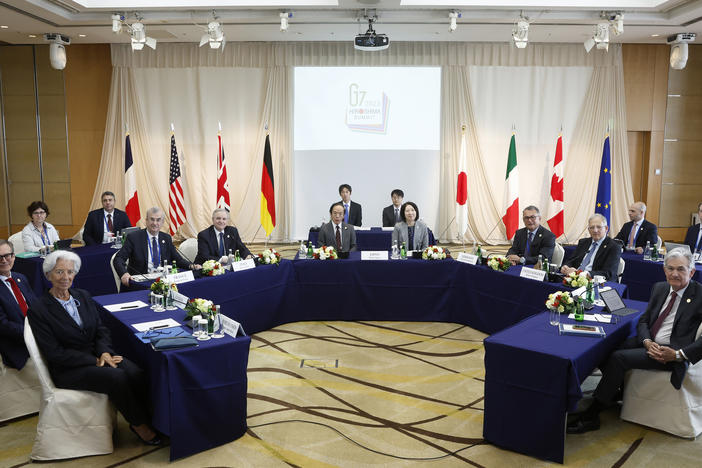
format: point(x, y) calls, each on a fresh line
point(346, 213)
point(221, 244)
point(586, 260)
point(530, 238)
point(155, 257)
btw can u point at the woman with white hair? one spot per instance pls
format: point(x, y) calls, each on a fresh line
point(78, 349)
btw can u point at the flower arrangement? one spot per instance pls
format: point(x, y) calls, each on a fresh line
point(499, 263)
point(269, 257)
point(577, 279)
point(212, 268)
point(561, 301)
point(433, 252)
point(198, 306)
point(161, 287)
point(325, 252)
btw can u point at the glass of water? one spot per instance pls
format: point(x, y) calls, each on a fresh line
point(554, 318)
point(218, 323)
point(158, 303)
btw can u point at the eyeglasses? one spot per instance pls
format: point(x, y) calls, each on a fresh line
point(38, 212)
point(7, 257)
point(68, 272)
point(530, 218)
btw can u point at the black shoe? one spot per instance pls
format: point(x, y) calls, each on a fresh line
point(583, 424)
point(155, 440)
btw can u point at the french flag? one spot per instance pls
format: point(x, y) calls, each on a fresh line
point(132, 196)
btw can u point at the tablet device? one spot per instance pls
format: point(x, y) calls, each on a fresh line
point(614, 304)
point(63, 244)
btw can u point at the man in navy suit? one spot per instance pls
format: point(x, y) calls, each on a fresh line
point(352, 210)
point(328, 232)
point(665, 338)
point(638, 231)
point(103, 224)
point(597, 254)
point(147, 249)
point(13, 309)
point(215, 242)
point(532, 240)
point(693, 238)
point(391, 214)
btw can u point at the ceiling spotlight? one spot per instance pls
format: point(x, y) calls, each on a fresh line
point(214, 36)
point(284, 15)
point(678, 49)
point(520, 33)
point(453, 19)
point(117, 23)
point(139, 38)
point(600, 38)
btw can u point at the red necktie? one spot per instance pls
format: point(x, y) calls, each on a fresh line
point(110, 226)
point(338, 238)
point(18, 295)
point(659, 321)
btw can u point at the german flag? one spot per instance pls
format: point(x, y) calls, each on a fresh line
point(267, 191)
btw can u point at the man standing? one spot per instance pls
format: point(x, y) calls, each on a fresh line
point(391, 214)
point(215, 242)
point(14, 297)
point(147, 249)
point(336, 232)
point(352, 210)
point(532, 240)
point(693, 238)
point(638, 231)
point(598, 254)
point(665, 338)
point(102, 225)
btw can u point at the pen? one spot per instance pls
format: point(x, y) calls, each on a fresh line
point(165, 325)
point(128, 307)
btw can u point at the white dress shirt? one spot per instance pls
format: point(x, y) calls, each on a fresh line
point(663, 335)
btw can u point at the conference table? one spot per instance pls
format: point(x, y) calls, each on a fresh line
point(95, 274)
point(533, 377)
point(300, 290)
point(374, 238)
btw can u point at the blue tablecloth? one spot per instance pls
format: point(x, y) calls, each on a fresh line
point(374, 239)
point(198, 395)
point(533, 377)
point(95, 274)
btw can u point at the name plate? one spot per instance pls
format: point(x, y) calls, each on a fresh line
point(467, 258)
point(182, 277)
point(179, 300)
point(229, 326)
point(532, 273)
point(374, 255)
point(243, 265)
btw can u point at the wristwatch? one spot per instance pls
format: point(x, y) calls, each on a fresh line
point(522, 260)
point(678, 357)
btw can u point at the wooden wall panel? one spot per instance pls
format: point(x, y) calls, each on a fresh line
point(684, 117)
point(638, 60)
point(687, 81)
point(87, 77)
point(682, 163)
point(680, 201)
point(636, 155)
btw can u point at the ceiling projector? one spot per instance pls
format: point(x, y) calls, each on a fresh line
point(370, 40)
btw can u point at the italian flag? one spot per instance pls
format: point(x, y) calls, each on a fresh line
point(511, 198)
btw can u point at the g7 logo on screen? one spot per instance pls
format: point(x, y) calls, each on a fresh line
point(356, 96)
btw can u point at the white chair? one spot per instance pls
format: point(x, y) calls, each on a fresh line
point(20, 391)
point(16, 240)
point(650, 400)
point(189, 249)
point(620, 270)
point(72, 423)
point(659, 242)
point(118, 283)
point(558, 254)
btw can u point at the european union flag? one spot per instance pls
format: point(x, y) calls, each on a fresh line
point(603, 203)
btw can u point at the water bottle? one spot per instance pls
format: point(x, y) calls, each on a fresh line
point(174, 268)
point(579, 310)
point(546, 267)
point(654, 254)
point(395, 255)
point(540, 263)
point(647, 251)
point(302, 251)
point(310, 250)
point(230, 257)
point(118, 240)
point(237, 257)
point(403, 251)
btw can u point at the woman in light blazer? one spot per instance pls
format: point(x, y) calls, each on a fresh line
point(411, 230)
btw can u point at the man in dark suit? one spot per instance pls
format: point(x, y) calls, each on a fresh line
point(532, 240)
point(215, 242)
point(638, 231)
point(693, 238)
point(352, 210)
point(103, 224)
point(346, 241)
point(391, 214)
point(665, 338)
point(14, 297)
point(597, 254)
point(147, 249)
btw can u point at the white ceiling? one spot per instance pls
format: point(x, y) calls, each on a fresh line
point(324, 20)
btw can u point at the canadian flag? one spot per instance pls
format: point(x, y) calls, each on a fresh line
point(555, 210)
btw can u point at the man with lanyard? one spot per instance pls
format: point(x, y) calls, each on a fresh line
point(102, 224)
point(147, 249)
point(637, 232)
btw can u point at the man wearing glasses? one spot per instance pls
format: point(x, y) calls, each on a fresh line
point(532, 240)
point(665, 338)
point(14, 297)
point(597, 254)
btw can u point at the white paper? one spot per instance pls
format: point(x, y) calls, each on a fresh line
point(229, 326)
point(578, 292)
point(599, 318)
point(243, 265)
point(179, 300)
point(126, 306)
point(374, 255)
point(146, 277)
point(182, 277)
point(165, 323)
point(361, 228)
point(388, 228)
point(467, 258)
point(532, 273)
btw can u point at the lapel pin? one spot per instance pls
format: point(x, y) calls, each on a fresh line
point(539, 235)
point(689, 300)
point(163, 241)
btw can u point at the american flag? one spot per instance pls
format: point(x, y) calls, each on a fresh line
point(176, 209)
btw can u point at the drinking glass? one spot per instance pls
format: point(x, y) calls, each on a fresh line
point(196, 324)
point(202, 327)
point(170, 305)
point(554, 317)
point(158, 300)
